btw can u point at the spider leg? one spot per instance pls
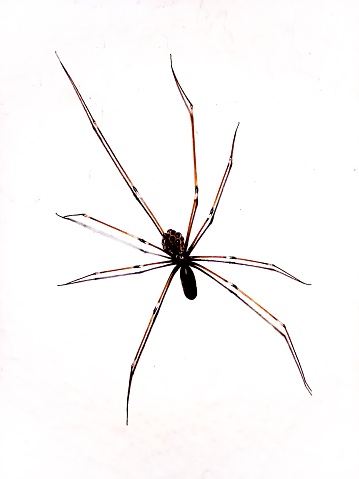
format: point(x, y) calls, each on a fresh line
point(147, 333)
point(111, 154)
point(114, 273)
point(189, 107)
point(260, 311)
point(247, 262)
point(213, 210)
point(71, 218)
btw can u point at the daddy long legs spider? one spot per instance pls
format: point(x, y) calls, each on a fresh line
point(177, 249)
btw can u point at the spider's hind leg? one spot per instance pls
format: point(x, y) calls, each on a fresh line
point(147, 334)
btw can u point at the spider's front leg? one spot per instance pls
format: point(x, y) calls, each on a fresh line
point(210, 217)
point(189, 107)
point(111, 153)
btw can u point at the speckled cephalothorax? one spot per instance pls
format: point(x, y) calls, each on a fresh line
point(173, 243)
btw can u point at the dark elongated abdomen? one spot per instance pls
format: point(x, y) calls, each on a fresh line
point(188, 281)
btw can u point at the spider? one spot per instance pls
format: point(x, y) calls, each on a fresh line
point(177, 249)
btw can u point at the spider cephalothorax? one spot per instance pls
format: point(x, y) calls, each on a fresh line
point(173, 243)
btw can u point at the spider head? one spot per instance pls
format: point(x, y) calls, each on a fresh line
point(173, 243)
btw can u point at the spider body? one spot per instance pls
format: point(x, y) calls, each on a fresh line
point(173, 243)
point(177, 249)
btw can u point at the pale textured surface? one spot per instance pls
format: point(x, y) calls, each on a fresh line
point(216, 393)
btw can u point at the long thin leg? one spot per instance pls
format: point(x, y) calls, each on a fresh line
point(213, 210)
point(147, 333)
point(114, 273)
point(111, 154)
point(189, 107)
point(84, 215)
point(258, 309)
point(247, 262)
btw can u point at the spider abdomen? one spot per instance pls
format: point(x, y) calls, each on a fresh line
point(188, 281)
